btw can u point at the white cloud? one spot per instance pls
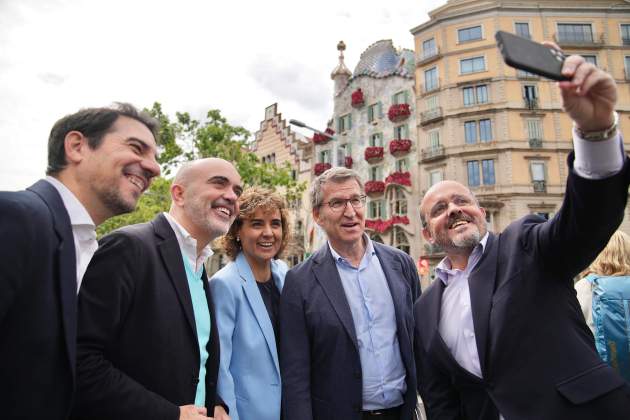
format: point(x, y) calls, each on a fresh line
point(192, 55)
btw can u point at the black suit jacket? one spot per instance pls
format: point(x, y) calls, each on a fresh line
point(537, 355)
point(38, 283)
point(319, 356)
point(137, 353)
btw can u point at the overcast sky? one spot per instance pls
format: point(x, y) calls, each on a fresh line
point(57, 56)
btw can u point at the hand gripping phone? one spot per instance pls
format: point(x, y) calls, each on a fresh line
point(523, 54)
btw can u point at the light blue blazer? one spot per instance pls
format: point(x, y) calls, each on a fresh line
point(249, 374)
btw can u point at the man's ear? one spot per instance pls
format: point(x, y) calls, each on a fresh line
point(177, 195)
point(315, 214)
point(426, 234)
point(75, 145)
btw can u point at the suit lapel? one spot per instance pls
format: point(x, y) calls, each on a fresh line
point(174, 264)
point(397, 288)
point(67, 274)
point(325, 271)
point(481, 284)
point(252, 294)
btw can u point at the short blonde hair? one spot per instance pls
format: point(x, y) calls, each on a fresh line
point(252, 199)
point(614, 260)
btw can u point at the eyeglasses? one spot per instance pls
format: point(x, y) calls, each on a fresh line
point(339, 204)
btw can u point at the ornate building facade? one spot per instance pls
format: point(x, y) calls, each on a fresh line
point(500, 131)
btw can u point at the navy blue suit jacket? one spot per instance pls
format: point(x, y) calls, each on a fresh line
point(537, 355)
point(38, 302)
point(319, 356)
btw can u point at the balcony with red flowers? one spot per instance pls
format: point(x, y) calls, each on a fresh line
point(374, 153)
point(382, 226)
point(399, 178)
point(347, 162)
point(399, 147)
point(374, 188)
point(398, 112)
point(320, 168)
point(357, 98)
point(319, 138)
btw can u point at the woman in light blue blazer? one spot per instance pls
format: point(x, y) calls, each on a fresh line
point(246, 294)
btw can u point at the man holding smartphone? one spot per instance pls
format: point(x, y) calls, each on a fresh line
point(500, 335)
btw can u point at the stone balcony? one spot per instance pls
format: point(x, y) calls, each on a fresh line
point(433, 153)
point(431, 115)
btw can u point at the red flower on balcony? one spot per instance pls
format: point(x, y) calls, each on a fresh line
point(398, 112)
point(374, 187)
point(357, 98)
point(382, 226)
point(373, 153)
point(320, 168)
point(319, 138)
point(399, 147)
point(400, 178)
point(347, 162)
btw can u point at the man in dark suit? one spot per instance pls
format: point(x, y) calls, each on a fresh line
point(148, 345)
point(99, 162)
point(500, 333)
point(346, 325)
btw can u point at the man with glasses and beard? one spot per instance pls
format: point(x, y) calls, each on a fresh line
point(148, 345)
point(100, 160)
point(500, 334)
point(346, 317)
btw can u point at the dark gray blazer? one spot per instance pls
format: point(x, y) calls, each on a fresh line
point(38, 303)
point(319, 356)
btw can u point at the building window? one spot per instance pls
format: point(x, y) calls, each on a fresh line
point(534, 129)
point(376, 209)
point(474, 95)
point(400, 97)
point(431, 103)
point(575, 32)
point(627, 60)
point(472, 65)
point(625, 34)
point(402, 165)
point(324, 156)
point(478, 130)
point(435, 177)
point(522, 29)
point(434, 139)
point(530, 96)
point(590, 59)
point(376, 140)
point(430, 79)
point(401, 132)
point(400, 240)
point(538, 171)
point(469, 34)
point(376, 173)
point(344, 123)
point(479, 172)
point(399, 205)
point(375, 111)
point(429, 49)
point(343, 152)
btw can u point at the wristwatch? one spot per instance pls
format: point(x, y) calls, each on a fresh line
point(598, 135)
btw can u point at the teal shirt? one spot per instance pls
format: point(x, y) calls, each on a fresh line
point(202, 324)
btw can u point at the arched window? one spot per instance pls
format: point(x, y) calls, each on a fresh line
point(399, 203)
point(400, 239)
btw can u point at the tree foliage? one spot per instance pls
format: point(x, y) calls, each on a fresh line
point(185, 139)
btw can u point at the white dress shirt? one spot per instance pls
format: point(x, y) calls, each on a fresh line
point(188, 244)
point(593, 160)
point(83, 228)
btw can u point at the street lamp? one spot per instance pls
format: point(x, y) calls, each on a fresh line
point(302, 125)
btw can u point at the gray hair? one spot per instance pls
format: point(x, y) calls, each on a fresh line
point(337, 174)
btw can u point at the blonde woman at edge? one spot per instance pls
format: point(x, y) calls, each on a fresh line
point(247, 294)
point(614, 260)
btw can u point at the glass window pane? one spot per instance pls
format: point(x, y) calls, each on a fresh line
point(469, 96)
point(485, 130)
point(434, 138)
point(538, 171)
point(428, 48)
point(473, 173)
point(522, 29)
point(625, 34)
point(470, 132)
point(432, 103)
point(482, 94)
point(487, 168)
point(430, 79)
point(590, 59)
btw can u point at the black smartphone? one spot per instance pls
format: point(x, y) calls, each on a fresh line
point(523, 54)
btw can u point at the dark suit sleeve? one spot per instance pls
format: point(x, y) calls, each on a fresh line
point(441, 401)
point(295, 358)
point(16, 251)
point(107, 291)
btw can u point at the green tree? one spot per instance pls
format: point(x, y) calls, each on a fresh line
point(185, 139)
